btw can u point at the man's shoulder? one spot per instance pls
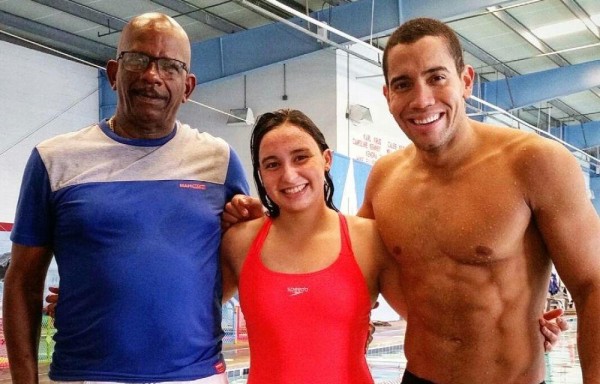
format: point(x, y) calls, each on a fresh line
point(526, 152)
point(196, 143)
point(71, 145)
point(515, 141)
point(361, 228)
point(70, 137)
point(393, 160)
point(504, 134)
point(201, 136)
point(360, 222)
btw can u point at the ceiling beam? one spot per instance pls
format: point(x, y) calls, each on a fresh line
point(85, 12)
point(485, 57)
point(450, 9)
point(229, 55)
point(508, 72)
point(572, 112)
point(205, 17)
point(250, 5)
point(526, 34)
point(290, 3)
point(529, 89)
point(335, 3)
point(582, 15)
point(53, 37)
point(583, 135)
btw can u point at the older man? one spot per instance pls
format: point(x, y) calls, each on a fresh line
point(131, 209)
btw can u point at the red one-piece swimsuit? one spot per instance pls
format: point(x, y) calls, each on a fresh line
point(308, 328)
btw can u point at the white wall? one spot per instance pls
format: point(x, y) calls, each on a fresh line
point(361, 82)
point(42, 96)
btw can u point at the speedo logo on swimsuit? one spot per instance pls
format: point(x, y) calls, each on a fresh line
point(192, 186)
point(295, 291)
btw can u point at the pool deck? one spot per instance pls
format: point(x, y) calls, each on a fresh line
point(387, 360)
point(237, 356)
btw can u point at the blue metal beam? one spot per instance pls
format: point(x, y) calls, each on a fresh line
point(521, 91)
point(259, 47)
point(583, 135)
point(595, 186)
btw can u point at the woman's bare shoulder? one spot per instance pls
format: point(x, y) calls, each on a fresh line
point(237, 239)
point(365, 236)
point(358, 224)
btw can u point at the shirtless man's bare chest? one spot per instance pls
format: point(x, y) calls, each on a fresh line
point(455, 217)
point(458, 241)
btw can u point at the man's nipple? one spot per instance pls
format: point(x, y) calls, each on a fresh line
point(482, 250)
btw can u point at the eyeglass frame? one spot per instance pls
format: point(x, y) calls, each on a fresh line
point(152, 59)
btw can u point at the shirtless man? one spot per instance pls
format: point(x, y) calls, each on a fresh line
point(475, 215)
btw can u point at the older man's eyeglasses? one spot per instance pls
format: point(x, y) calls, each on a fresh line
point(138, 62)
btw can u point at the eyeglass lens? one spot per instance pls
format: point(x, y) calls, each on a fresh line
point(138, 62)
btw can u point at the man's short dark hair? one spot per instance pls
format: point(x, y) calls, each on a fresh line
point(414, 30)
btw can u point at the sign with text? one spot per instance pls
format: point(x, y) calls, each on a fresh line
point(367, 147)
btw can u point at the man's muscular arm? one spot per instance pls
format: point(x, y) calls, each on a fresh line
point(570, 228)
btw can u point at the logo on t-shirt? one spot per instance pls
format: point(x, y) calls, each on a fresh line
point(295, 291)
point(220, 367)
point(192, 186)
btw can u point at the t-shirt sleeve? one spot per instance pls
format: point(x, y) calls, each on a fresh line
point(236, 182)
point(33, 220)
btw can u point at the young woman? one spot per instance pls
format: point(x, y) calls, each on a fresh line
point(307, 275)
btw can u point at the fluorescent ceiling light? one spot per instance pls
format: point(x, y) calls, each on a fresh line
point(559, 29)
